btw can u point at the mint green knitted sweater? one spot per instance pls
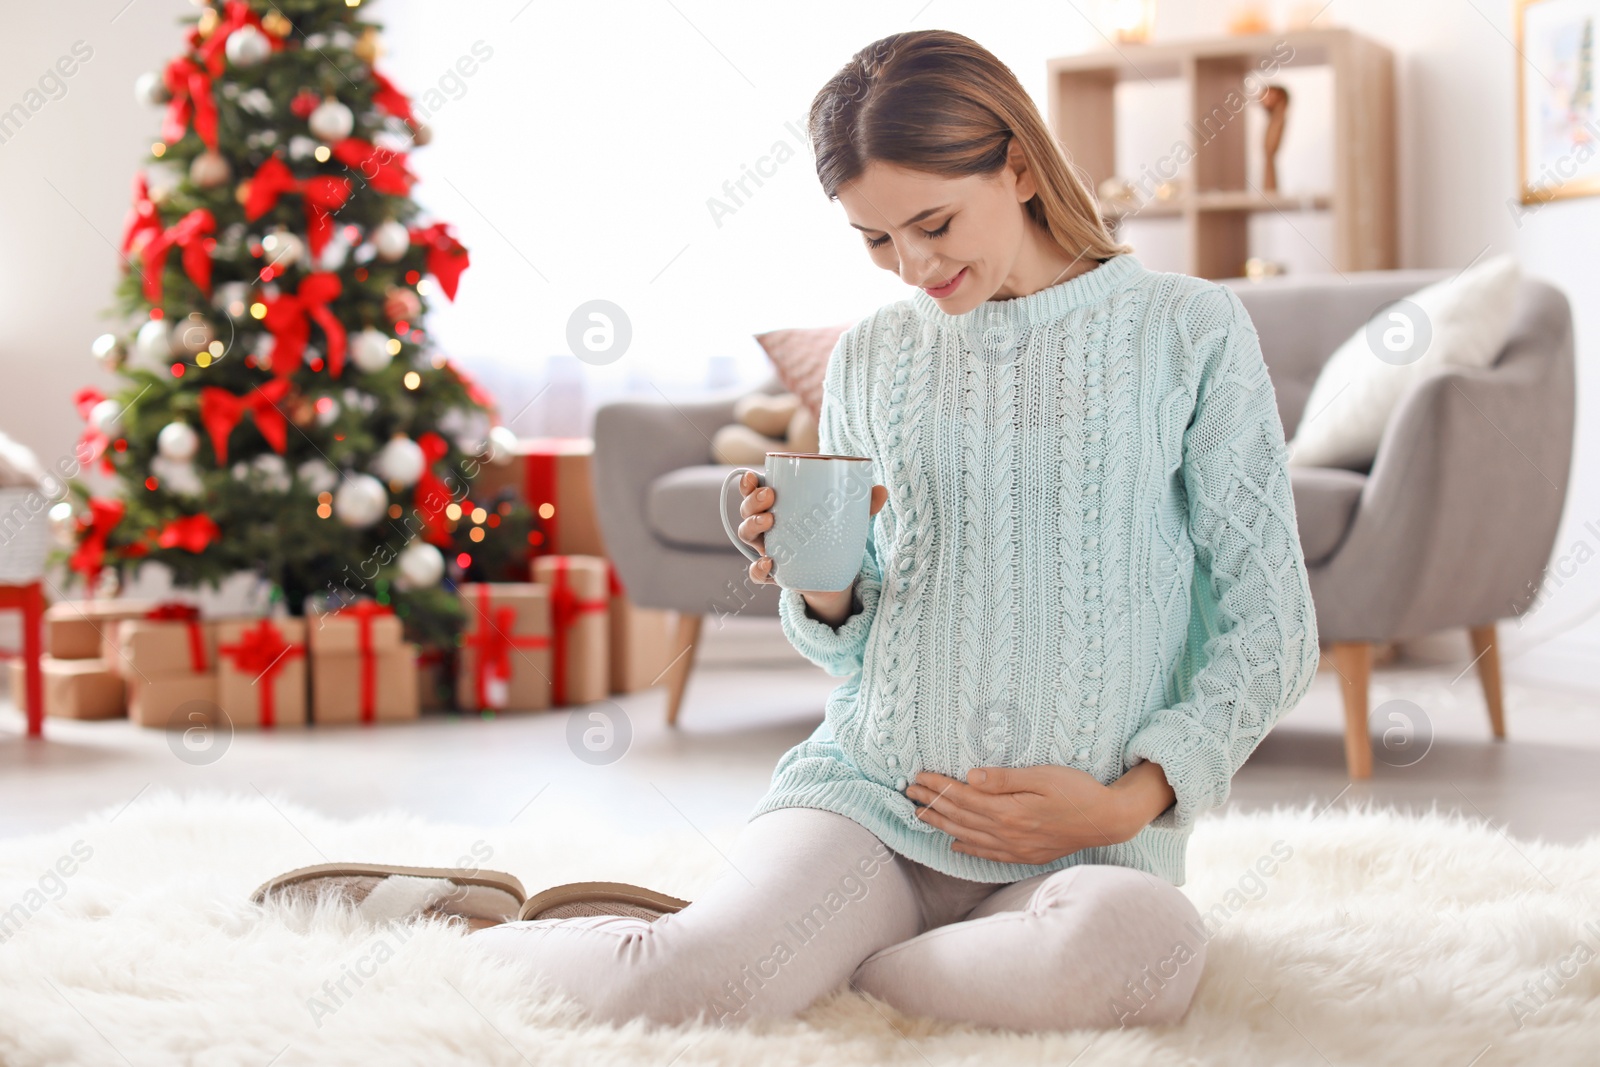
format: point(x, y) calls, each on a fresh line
point(1088, 558)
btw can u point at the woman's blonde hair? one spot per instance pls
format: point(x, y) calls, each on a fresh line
point(938, 102)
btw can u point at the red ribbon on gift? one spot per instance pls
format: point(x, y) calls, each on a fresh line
point(566, 610)
point(389, 98)
point(90, 555)
point(190, 86)
point(431, 494)
point(192, 234)
point(261, 652)
point(235, 15)
point(289, 317)
point(142, 217)
point(363, 612)
point(188, 614)
point(221, 411)
point(92, 444)
point(382, 168)
point(613, 583)
point(494, 639)
point(322, 195)
point(192, 533)
point(447, 257)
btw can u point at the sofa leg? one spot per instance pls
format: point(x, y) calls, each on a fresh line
point(688, 646)
point(1353, 661)
point(1487, 650)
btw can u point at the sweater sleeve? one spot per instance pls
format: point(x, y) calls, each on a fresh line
point(1252, 649)
point(838, 651)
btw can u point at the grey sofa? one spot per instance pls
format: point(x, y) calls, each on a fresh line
point(1451, 526)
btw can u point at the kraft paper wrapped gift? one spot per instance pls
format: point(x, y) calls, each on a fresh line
point(174, 701)
point(261, 671)
point(362, 671)
point(554, 477)
point(504, 660)
point(169, 639)
point(73, 688)
point(580, 631)
point(641, 642)
point(74, 629)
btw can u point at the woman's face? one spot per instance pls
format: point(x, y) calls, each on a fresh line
point(959, 239)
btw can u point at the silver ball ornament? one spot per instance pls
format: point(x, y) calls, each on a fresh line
point(421, 566)
point(150, 90)
point(400, 462)
point(502, 445)
point(109, 351)
point(391, 240)
point(106, 417)
point(209, 170)
point(360, 500)
point(369, 350)
point(247, 46)
point(332, 121)
point(282, 248)
point(177, 441)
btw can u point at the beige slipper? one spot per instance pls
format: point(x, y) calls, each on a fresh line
point(579, 899)
point(385, 892)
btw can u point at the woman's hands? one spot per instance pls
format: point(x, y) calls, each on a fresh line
point(1038, 814)
point(755, 514)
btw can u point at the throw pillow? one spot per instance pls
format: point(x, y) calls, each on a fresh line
point(1458, 322)
point(800, 357)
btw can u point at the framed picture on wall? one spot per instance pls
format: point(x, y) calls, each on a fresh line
point(1558, 120)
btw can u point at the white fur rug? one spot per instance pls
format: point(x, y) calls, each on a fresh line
point(1378, 939)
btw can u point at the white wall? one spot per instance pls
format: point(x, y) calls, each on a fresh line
point(577, 163)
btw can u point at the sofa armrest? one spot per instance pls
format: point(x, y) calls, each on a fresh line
point(1460, 512)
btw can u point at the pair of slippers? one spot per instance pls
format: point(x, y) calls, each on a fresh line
point(385, 892)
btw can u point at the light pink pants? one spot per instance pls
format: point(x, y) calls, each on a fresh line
point(812, 900)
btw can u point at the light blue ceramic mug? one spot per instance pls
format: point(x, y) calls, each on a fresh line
point(820, 518)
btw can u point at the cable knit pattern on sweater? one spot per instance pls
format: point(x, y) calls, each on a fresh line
point(1088, 558)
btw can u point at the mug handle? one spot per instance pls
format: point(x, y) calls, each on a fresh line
point(722, 506)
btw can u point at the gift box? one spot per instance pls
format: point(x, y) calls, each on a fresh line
point(554, 477)
point(75, 629)
point(73, 688)
point(641, 641)
point(580, 630)
point(174, 701)
point(504, 661)
point(261, 671)
point(361, 668)
point(168, 639)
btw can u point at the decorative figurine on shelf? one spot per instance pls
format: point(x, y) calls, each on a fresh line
point(1275, 98)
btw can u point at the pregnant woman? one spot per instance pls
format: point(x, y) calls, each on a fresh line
point(1082, 605)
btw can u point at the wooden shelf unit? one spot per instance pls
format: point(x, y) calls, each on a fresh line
point(1218, 195)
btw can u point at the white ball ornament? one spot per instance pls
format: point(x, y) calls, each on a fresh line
point(282, 248)
point(109, 351)
point(64, 524)
point(194, 334)
point(332, 121)
point(177, 441)
point(150, 90)
point(503, 445)
point(400, 462)
point(152, 347)
point(231, 297)
point(334, 253)
point(271, 472)
point(421, 566)
point(106, 417)
point(177, 476)
point(317, 475)
point(360, 500)
point(247, 46)
point(391, 240)
point(209, 170)
point(369, 350)
point(301, 147)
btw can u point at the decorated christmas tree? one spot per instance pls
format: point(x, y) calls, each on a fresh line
point(281, 408)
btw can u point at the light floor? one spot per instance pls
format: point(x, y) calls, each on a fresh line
point(750, 701)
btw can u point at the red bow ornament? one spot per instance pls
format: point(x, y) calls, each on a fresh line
point(192, 533)
point(261, 652)
point(382, 168)
point(90, 555)
point(447, 257)
point(192, 234)
point(390, 99)
point(93, 444)
point(221, 411)
point(431, 494)
point(322, 196)
point(142, 219)
point(190, 86)
point(289, 317)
